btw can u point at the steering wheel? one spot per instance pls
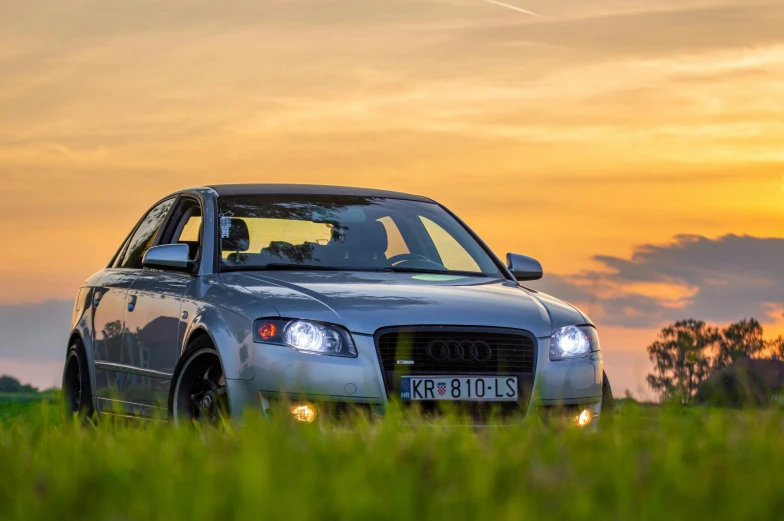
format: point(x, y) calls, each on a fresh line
point(403, 257)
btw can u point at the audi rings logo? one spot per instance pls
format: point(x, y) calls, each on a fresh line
point(459, 351)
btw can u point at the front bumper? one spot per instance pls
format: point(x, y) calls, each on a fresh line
point(283, 373)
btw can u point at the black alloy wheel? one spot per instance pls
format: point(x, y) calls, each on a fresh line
point(77, 393)
point(199, 394)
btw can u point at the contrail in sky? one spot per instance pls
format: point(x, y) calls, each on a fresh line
point(518, 9)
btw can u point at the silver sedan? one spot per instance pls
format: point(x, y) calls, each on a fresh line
point(305, 301)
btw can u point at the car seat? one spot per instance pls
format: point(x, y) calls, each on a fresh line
point(359, 243)
point(238, 240)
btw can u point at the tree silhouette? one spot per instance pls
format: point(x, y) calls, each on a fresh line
point(776, 347)
point(680, 358)
point(112, 330)
point(299, 253)
point(9, 384)
point(739, 340)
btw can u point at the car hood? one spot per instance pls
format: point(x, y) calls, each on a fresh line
point(365, 301)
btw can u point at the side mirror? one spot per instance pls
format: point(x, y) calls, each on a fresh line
point(524, 267)
point(168, 257)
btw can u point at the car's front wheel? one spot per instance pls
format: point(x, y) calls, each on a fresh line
point(198, 393)
point(77, 392)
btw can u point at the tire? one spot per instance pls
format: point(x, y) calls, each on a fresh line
point(608, 402)
point(77, 391)
point(198, 392)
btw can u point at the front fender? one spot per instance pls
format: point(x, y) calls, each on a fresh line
point(82, 327)
point(561, 313)
point(231, 334)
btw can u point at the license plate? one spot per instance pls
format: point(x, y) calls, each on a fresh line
point(459, 388)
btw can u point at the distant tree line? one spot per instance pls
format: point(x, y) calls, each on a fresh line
point(10, 385)
point(689, 351)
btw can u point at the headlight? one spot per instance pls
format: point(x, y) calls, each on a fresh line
point(573, 342)
point(306, 336)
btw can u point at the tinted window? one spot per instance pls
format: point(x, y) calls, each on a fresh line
point(144, 235)
point(347, 233)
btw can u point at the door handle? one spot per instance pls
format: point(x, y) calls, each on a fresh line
point(132, 303)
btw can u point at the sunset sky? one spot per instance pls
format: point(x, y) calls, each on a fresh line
point(634, 147)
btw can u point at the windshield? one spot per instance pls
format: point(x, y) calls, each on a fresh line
point(346, 233)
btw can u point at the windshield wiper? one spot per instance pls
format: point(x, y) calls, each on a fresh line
point(281, 266)
point(437, 272)
point(284, 266)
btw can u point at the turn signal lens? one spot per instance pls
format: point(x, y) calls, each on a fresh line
point(304, 413)
point(267, 330)
point(584, 419)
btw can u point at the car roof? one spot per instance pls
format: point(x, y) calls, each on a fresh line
point(304, 189)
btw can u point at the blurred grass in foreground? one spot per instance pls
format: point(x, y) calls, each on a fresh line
point(664, 466)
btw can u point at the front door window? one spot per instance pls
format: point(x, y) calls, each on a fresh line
point(144, 236)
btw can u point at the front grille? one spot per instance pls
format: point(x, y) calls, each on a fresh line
point(406, 350)
point(403, 351)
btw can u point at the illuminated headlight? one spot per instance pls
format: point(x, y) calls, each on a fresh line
point(306, 336)
point(573, 342)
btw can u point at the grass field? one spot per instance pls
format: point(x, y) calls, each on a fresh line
point(659, 465)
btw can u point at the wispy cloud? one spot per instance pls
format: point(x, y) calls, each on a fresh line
point(512, 7)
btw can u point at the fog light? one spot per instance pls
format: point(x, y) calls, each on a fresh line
point(584, 419)
point(304, 413)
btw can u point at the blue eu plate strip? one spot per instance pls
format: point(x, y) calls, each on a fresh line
point(405, 388)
